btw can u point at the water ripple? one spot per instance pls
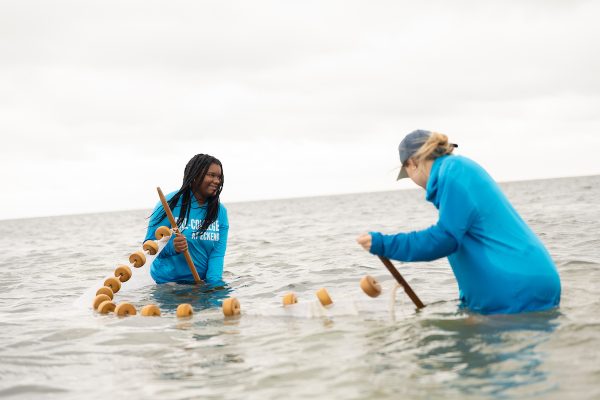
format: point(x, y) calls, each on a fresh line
point(360, 348)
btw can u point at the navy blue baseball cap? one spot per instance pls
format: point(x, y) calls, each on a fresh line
point(409, 146)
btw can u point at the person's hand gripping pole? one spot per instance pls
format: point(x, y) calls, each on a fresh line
point(186, 253)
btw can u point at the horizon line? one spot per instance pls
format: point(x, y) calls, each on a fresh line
point(286, 198)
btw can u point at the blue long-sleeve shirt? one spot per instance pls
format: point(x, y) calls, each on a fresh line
point(207, 250)
point(500, 265)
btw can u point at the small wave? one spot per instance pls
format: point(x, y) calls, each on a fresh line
point(30, 389)
point(578, 262)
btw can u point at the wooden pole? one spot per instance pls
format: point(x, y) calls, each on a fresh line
point(413, 296)
point(186, 253)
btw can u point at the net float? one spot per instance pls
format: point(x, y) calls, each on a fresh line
point(370, 286)
point(324, 297)
point(150, 310)
point(123, 272)
point(184, 310)
point(113, 283)
point(289, 299)
point(162, 231)
point(105, 290)
point(231, 307)
point(106, 307)
point(99, 299)
point(125, 309)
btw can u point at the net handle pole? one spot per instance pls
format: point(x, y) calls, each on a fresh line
point(413, 296)
point(186, 253)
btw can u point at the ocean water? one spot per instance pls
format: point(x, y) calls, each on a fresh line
point(360, 348)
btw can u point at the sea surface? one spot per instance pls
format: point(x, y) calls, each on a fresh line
point(360, 348)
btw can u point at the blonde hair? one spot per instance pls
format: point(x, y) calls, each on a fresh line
point(436, 146)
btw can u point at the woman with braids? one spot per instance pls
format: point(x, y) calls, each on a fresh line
point(202, 223)
point(499, 263)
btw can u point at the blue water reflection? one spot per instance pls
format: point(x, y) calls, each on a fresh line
point(492, 355)
point(201, 297)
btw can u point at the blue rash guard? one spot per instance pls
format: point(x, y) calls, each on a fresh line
point(499, 263)
point(207, 250)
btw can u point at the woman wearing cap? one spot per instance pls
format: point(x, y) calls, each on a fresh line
point(499, 263)
point(202, 223)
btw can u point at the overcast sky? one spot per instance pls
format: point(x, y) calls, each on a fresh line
point(102, 101)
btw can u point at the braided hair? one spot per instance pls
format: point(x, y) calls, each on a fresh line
point(194, 172)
